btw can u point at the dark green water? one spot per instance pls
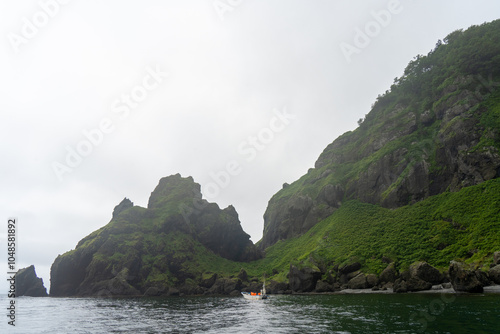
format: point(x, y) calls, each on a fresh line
point(357, 313)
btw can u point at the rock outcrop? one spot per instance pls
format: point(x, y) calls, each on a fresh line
point(496, 258)
point(419, 277)
point(389, 274)
point(413, 144)
point(494, 274)
point(395, 178)
point(160, 247)
point(124, 205)
point(28, 284)
point(303, 280)
point(464, 279)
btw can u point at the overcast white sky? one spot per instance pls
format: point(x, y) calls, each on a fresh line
point(69, 66)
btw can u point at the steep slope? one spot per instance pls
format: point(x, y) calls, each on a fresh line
point(173, 242)
point(462, 225)
point(436, 130)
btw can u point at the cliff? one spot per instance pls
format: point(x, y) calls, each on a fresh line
point(172, 242)
point(436, 130)
point(29, 284)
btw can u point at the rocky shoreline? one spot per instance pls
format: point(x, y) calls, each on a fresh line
point(419, 278)
point(493, 289)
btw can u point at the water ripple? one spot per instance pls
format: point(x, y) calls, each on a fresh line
point(278, 314)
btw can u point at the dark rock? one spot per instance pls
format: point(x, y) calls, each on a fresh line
point(192, 289)
point(124, 205)
point(419, 277)
point(426, 272)
point(343, 279)
point(405, 275)
point(446, 285)
point(400, 286)
point(28, 284)
point(68, 272)
point(349, 268)
point(218, 230)
point(358, 282)
point(208, 282)
point(353, 274)
point(242, 275)
point(257, 286)
point(427, 118)
point(290, 217)
point(494, 274)
point(152, 291)
point(224, 286)
point(389, 274)
point(411, 285)
point(115, 286)
point(303, 280)
point(274, 287)
point(483, 277)
point(417, 284)
point(386, 286)
point(322, 286)
point(371, 280)
point(332, 195)
point(464, 279)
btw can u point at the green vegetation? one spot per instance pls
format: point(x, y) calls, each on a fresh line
point(407, 121)
point(463, 226)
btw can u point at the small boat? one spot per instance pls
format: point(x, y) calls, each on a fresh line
point(256, 295)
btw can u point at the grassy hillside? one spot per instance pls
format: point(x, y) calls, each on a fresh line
point(462, 225)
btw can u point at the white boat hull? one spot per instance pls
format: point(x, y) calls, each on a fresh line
point(248, 296)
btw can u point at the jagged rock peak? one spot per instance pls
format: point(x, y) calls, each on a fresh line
point(174, 187)
point(124, 205)
point(154, 249)
point(28, 284)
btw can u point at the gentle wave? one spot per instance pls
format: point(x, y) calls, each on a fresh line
point(278, 314)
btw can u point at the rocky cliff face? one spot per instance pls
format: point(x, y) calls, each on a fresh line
point(437, 130)
point(28, 284)
point(165, 245)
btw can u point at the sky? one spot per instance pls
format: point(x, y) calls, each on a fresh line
point(100, 100)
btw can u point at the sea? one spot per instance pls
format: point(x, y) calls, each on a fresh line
point(339, 313)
